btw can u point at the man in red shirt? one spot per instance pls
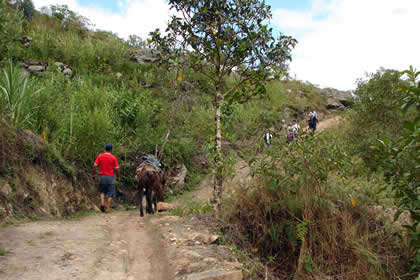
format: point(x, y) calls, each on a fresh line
point(107, 163)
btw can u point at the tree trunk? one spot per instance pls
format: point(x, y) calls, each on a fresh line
point(218, 178)
point(170, 124)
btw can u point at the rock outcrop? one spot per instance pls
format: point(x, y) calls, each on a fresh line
point(337, 99)
point(178, 181)
point(38, 66)
point(26, 41)
point(147, 56)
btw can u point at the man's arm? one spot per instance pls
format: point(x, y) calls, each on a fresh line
point(94, 168)
point(117, 168)
point(117, 172)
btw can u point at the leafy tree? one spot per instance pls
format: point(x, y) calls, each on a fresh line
point(70, 19)
point(379, 97)
point(135, 41)
point(376, 112)
point(27, 7)
point(228, 39)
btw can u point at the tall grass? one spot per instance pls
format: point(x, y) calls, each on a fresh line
point(15, 95)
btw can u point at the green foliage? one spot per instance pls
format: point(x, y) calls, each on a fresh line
point(68, 18)
point(15, 95)
point(201, 207)
point(26, 6)
point(307, 264)
point(228, 38)
point(193, 208)
point(309, 206)
point(3, 252)
point(135, 41)
point(11, 20)
point(79, 215)
point(379, 97)
point(127, 106)
point(57, 37)
point(401, 160)
point(376, 112)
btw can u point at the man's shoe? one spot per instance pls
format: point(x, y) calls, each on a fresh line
point(102, 208)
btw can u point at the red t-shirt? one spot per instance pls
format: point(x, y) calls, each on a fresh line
point(107, 162)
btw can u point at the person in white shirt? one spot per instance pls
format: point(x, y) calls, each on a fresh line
point(295, 128)
point(315, 115)
point(267, 138)
point(289, 134)
point(313, 120)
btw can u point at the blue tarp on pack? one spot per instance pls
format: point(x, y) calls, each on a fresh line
point(152, 160)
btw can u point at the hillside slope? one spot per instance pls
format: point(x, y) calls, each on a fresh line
point(35, 181)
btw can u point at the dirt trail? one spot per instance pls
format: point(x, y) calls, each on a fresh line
point(116, 246)
point(328, 123)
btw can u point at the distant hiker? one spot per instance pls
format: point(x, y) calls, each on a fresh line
point(315, 115)
point(283, 123)
point(267, 138)
point(107, 163)
point(311, 123)
point(289, 134)
point(312, 120)
point(296, 129)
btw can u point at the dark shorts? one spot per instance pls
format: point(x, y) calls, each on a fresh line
point(107, 185)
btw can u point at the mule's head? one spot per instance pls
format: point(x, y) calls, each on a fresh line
point(164, 183)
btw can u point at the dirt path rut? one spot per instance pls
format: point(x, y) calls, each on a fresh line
point(117, 246)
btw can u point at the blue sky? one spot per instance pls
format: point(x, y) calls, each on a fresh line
point(339, 40)
point(299, 5)
point(110, 5)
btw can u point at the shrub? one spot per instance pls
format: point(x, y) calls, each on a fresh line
point(307, 214)
point(401, 160)
point(376, 112)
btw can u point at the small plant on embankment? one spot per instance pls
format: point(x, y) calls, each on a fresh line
point(3, 252)
point(192, 208)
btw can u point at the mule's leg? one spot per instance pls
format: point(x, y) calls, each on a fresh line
point(155, 203)
point(149, 201)
point(141, 194)
point(152, 202)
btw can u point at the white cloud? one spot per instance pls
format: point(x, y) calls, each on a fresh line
point(351, 37)
point(134, 17)
point(293, 20)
